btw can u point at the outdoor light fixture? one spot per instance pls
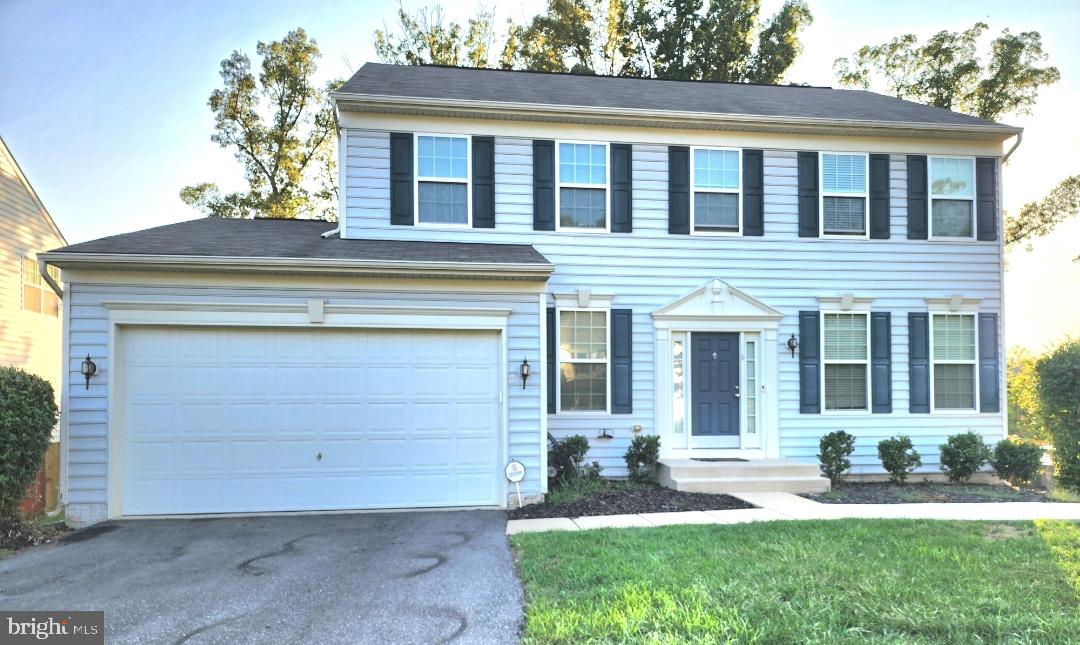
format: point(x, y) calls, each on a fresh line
point(793, 344)
point(525, 371)
point(89, 368)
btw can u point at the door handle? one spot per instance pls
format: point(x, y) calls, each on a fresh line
point(737, 391)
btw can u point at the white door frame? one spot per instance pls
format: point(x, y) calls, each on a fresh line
point(311, 315)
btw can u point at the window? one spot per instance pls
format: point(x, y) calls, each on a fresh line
point(36, 295)
point(953, 352)
point(583, 183)
point(442, 180)
point(678, 382)
point(717, 185)
point(952, 197)
point(846, 349)
point(583, 360)
point(751, 387)
point(843, 194)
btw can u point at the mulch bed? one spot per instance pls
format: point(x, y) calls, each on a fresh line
point(925, 492)
point(16, 535)
point(648, 500)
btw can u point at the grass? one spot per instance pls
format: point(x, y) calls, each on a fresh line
point(1060, 494)
point(581, 488)
point(847, 581)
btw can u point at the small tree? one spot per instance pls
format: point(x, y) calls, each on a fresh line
point(962, 455)
point(641, 457)
point(1059, 401)
point(1017, 462)
point(27, 416)
point(899, 457)
point(836, 447)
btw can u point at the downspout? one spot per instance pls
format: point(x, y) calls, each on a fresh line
point(330, 233)
point(43, 269)
point(1019, 138)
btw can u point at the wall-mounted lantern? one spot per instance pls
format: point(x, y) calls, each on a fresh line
point(89, 368)
point(525, 371)
point(793, 344)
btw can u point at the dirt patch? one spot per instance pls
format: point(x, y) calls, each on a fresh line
point(19, 534)
point(647, 500)
point(995, 532)
point(926, 493)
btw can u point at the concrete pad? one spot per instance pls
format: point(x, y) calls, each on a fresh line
point(744, 515)
point(683, 517)
point(611, 522)
point(787, 504)
point(540, 524)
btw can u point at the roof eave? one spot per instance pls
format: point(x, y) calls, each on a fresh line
point(356, 102)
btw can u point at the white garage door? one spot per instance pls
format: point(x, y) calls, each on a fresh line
point(232, 420)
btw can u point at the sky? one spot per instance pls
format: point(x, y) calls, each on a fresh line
point(103, 104)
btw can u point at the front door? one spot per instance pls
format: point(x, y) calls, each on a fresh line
point(714, 397)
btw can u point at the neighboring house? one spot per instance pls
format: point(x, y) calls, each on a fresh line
point(649, 247)
point(30, 325)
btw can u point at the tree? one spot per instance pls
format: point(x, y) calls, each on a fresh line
point(1023, 396)
point(946, 71)
point(1037, 219)
point(280, 126)
point(424, 38)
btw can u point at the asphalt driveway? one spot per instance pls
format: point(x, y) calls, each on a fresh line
point(430, 577)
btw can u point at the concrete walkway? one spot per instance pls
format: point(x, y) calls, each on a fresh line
point(787, 506)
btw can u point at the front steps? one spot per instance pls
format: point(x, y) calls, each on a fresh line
point(753, 476)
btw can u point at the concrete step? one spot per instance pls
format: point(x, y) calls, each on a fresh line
point(748, 484)
point(757, 468)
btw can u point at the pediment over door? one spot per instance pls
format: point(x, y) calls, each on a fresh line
point(717, 299)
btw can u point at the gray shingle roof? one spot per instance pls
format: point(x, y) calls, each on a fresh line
point(546, 89)
point(295, 239)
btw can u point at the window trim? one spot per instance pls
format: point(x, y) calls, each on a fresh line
point(559, 185)
point(727, 191)
point(822, 194)
point(933, 363)
point(605, 361)
point(826, 361)
point(442, 180)
point(974, 237)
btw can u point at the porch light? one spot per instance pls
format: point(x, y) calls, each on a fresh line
point(793, 344)
point(525, 371)
point(89, 368)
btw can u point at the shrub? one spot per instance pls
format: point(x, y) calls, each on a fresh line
point(565, 459)
point(962, 455)
point(641, 457)
point(899, 457)
point(1059, 404)
point(836, 447)
point(27, 417)
point(1017, 462)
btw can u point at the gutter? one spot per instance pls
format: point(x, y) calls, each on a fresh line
point(1019, 138)
point(43, 269)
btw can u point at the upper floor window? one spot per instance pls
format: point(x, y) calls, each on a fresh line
point(583, 360)
point(953, 354)
point(717, 183)
point(442, 180)
point(582, 186)
point(36, 295)
point(844, 194)
point(846, 344)
point(952, 197)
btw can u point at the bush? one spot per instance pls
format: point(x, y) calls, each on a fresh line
point(1017, 462)
point(899, 457)
point(566, 458)
point(27, 417)
point(1059, 404)
point(962, 455)
point(836, 447)
point(641, 457)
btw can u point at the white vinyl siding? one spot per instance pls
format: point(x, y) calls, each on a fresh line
point(844, 194)
point(716, 179)
point(581, 194)
point(583, 360)
point(443, 180)
point(846, 352)
point(952, 197)
point(953, 352)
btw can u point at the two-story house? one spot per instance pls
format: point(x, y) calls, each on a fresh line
point(737, 268)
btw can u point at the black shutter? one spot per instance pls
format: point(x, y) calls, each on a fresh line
point(809, 362)
point(551, 367)
point(916, 198)
point(679, 190)
point(543, 185)
point(989, 364)
point(401, 178)
point(881, 360)
point(622, 361)
point(986, 185)
point(753, 192)
point(879, 197)
point(483, 180)
point(622, 188)
point(808, 194)
point(919, 361)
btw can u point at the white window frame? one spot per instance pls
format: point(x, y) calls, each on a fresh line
point(44, 291)
point(827, 361)
point(604, 361)
point(822, 195)
point(559, 185)
point(930, 200)
point(934, 362)
point(728, 191)
point(442, 180)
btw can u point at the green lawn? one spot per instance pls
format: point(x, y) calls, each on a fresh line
point(885, 581)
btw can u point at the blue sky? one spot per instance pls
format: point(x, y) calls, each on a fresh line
point(104, 105)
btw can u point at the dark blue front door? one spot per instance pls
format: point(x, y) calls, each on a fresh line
point(715, 384)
